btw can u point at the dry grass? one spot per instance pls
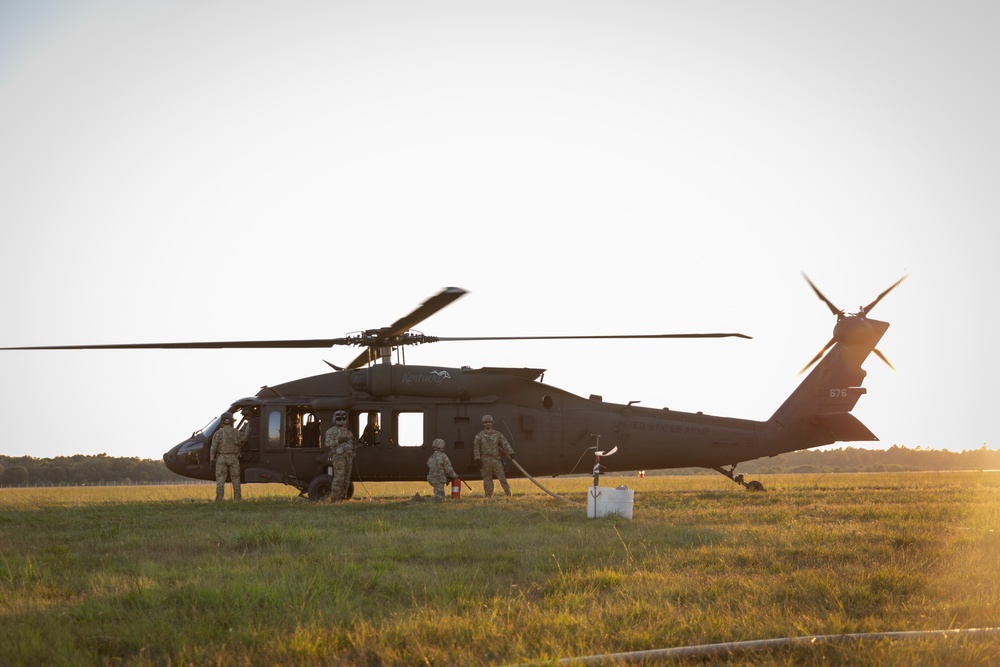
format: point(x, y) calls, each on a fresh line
point(162, 576)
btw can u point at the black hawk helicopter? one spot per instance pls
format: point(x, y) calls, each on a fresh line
point(396, 410)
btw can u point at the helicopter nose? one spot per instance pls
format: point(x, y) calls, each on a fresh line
point(170, 459)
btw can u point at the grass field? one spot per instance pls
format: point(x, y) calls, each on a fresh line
point(163, 576)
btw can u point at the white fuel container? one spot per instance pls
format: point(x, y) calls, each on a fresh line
point(604, 501)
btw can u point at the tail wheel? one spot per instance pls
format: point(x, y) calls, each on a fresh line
point(350, 490)
point(755, 486)
point(319, 487)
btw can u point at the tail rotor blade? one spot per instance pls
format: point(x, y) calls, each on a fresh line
point(818, 356)
point(871, 305)
point(841, 316)
point(882, 357)
point(833, 309)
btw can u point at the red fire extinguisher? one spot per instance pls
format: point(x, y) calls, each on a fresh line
point(456, 489)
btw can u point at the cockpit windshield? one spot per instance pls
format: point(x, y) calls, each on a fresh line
point(209, 428)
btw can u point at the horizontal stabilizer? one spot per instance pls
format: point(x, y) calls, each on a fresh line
point(844, 427)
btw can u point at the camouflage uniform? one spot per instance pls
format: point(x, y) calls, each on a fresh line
point(226, 444)
point(439, 471)
point(340, 443)
point(486, 448)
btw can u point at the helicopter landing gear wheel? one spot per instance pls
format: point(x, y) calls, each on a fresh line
point(731, 473)
point(350, 491)
point(319, 487)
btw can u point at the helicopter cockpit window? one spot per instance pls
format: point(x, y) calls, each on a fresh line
point(247, 421)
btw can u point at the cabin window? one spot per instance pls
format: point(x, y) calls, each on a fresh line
point(409, 429)
point(371, 433)
point(274, 419)
point(301, 427)
point(292, 426)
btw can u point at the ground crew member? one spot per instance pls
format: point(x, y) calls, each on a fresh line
point(439, 469)
point(486, 449)
point(339, 442)
point(225, 453)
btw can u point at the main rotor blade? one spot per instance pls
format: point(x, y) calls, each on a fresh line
point(428, 308)
point(377, 339)
point(833, 309)
point(688, 335)
point(362, 359)
point(443, 298)
point(209, 345)
point(367, 356)
point(871, 305)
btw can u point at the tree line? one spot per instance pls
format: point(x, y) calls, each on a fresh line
point(103, 469)
point(855, 459)
point(81, 469)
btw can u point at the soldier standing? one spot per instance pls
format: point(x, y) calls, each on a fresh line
point(439, 469)
point(340, 442)
point(487, 446)
point(225, 453)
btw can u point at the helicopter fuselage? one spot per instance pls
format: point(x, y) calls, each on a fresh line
point(550, 429)
point(396, 411)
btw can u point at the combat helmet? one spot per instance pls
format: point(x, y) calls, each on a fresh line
point(438, 444)
point(340, 415)
point(227, 417)
point(487, 418)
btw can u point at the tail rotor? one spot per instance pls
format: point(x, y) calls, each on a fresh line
point(842, 315)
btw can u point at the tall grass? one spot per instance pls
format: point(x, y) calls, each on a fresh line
point(162, 576)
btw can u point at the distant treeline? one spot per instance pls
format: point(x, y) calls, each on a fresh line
point(104, 469)
point(83, 469)
point(854, 459)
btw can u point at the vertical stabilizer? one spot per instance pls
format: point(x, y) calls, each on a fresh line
point(818, 411)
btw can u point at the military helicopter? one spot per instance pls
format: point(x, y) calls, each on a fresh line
point(396, 410)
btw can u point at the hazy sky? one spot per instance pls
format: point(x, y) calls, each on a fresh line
point(186, 171)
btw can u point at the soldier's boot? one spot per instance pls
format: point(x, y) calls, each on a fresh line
point(505, 486)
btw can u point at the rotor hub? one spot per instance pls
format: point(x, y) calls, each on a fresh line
point(852, 330)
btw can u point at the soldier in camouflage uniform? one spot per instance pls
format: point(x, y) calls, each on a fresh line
point(439, 469)
point(340, 443)
point(225, 453)
point(486, 448)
